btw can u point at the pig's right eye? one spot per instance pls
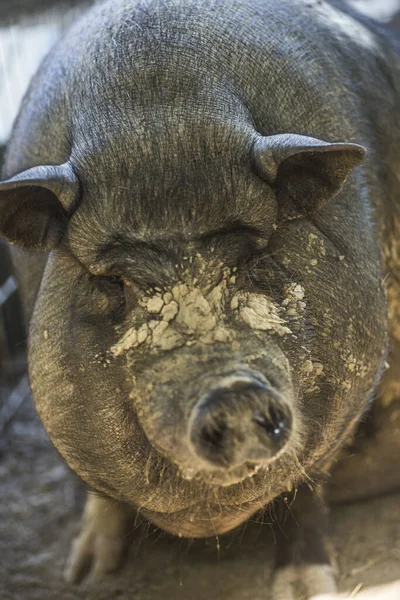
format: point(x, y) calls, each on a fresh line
point(109, 296)
point(112, 284)
point(111, 287)
point(102, 297)
point(116, 281)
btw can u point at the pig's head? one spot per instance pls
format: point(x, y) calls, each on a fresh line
point(202, 340)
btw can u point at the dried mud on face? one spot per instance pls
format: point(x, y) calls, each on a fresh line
point(41, 502)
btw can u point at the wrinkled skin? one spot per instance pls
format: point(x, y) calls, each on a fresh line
point(167, 105)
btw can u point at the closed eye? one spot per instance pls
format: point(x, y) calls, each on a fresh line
point(236, 227)
point(115, 280)
point(111, 283)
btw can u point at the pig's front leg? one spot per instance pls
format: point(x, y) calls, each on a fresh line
point(99, 546)
point(303, 567)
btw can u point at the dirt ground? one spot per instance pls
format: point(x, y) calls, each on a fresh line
point(41, 501)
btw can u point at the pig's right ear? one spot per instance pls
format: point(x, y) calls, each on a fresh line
point(35, 206)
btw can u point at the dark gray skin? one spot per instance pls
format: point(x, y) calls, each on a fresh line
point(246, 152)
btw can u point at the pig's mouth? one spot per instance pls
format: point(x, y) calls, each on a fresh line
point(200, 521)
point(221, 499)
point(223, 478)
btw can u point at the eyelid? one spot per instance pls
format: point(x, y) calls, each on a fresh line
point(232, 229)
point(116, 278)
point(99, 270)
point(126, 282)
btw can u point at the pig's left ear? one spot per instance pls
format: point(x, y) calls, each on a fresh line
point(35, 206)
point(304, 172)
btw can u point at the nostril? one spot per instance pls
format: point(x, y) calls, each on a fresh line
point(214, 441)
point(274, 422)
point(213, 435)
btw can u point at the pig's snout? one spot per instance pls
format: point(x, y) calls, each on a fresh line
point(239, 421)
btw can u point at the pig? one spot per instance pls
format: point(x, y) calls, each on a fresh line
point(202, 199)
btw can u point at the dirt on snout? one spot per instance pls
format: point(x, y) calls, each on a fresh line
point(41, 502)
